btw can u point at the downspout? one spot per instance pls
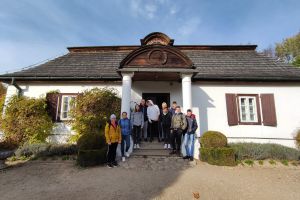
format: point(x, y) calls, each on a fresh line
point(13, 82)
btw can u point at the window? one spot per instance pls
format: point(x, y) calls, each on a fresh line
point(66, 106)
point(248, 109)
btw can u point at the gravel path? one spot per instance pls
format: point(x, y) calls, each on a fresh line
point(148, 178)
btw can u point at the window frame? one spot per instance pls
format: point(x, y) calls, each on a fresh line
point(258, 110)
point(60, 107)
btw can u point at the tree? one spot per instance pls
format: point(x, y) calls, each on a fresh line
point(270, 51)
point(289, 50)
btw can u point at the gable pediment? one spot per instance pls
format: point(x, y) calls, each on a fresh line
point(158, 56)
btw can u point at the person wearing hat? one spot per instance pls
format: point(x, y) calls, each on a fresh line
point(189, 136)
point(113, 138)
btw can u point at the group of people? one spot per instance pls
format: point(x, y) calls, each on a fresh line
point(146, 120)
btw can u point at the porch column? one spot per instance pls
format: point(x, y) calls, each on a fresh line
point(126, 92)
point(186, 91)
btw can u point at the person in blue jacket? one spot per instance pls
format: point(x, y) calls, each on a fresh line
point(125, 126)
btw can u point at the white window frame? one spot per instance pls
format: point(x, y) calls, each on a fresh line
point(247, 109)
point(62, 111)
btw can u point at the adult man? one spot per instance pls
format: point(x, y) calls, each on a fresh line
point(153, 117)
point(143, 108)
point(189, 136)
point(178, 124)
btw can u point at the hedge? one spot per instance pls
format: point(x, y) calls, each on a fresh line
point(44, 149)
point(257, 151)
point(222, 156)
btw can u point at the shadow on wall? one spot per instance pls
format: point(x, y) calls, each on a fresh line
point(202, 101)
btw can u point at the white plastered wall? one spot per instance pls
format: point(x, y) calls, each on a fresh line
point(210, 100)
point(62, 131)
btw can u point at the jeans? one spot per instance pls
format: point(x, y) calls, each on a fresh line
point(136, 132)
point(145, 129)
point(176, 139)
point(125, 139)
point(111, 153)
point(188, 142)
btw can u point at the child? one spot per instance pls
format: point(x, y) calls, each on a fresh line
point(137, 120)
point(125, 130)
point(113, 138)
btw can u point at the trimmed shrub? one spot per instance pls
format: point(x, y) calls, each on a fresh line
point(91, 141)
point(213, 139)
point(222, 156)
point(43, 149)
point(26, 120)
point(257, 151)
point(91, 157)
point(92, 149)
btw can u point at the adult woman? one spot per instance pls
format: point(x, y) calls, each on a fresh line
point(113, 138)
point(165, 120)
point(137, 120)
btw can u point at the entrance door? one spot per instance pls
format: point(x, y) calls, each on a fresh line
point(157, 98)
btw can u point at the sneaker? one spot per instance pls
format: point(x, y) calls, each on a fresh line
point(191, 158)
point(146, 140)
point(186, 157)
point(169, 146)
point(166, 146)
point(134, 146)
point(109, 165)
point(115, 164)
point(123, 159)
point(127, 154)
point(137, 146)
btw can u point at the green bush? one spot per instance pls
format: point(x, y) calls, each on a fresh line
point(26, 120)
point(222, 156)
point(87, 158)
point(44, 149)
point(92, 109)
point(258, 151)
point(92, 149)
point(213, 139)
point(297, 138)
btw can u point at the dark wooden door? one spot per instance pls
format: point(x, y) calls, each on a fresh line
point(157, 98)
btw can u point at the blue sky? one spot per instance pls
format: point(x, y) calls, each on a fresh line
point(32, 31)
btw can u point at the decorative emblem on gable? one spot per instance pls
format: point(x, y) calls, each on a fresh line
point(157, 38)
point(157, 57)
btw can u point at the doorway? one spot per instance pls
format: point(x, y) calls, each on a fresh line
point(157, 98)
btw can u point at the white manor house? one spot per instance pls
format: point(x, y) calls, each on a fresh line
point(230, 88)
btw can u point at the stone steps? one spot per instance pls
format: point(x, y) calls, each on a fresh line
point(152, 149)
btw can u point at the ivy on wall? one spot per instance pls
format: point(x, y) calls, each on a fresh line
point(26, 120)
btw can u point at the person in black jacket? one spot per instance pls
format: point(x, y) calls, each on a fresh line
point(143, 108)
point(165, 119)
